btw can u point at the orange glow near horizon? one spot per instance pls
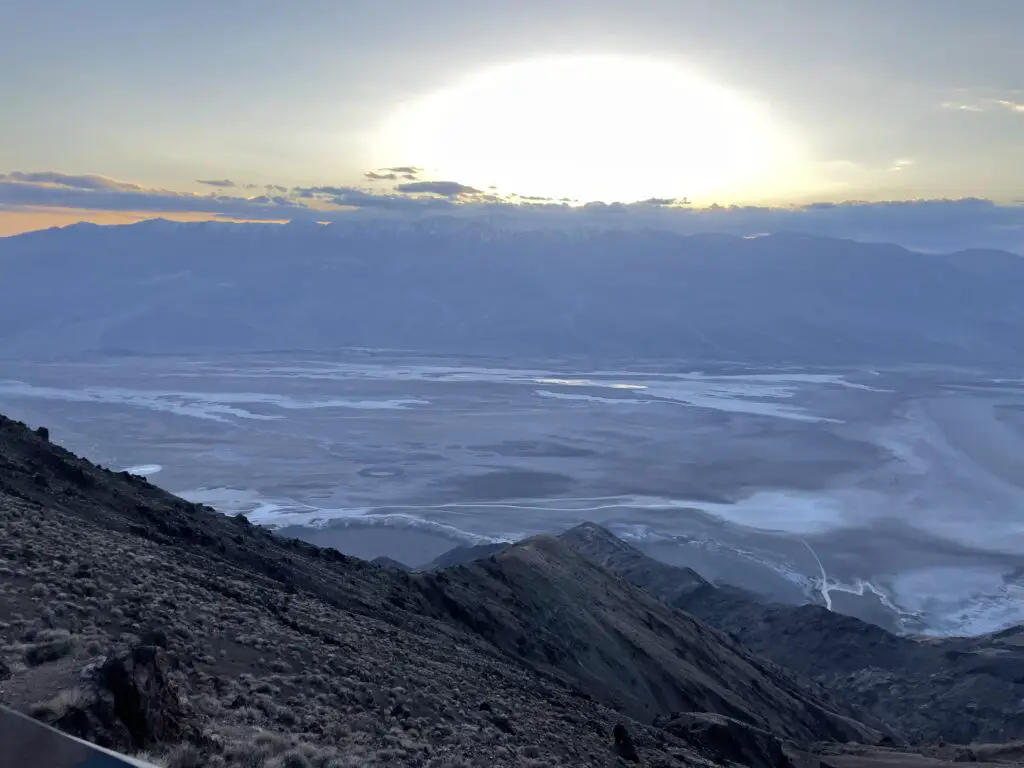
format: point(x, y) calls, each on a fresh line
point(19, 222)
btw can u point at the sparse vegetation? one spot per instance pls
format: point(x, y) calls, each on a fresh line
point(61, 705)
point(274, 654)
point(275, 676)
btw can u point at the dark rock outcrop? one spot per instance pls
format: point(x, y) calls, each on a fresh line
point(725, 740)
point(127, 702)
point(624, 745)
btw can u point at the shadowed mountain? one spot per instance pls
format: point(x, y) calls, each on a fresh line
point(958, 689)
point(532, 651)
point(453, 286)
point(148, 624)
point(563, 614)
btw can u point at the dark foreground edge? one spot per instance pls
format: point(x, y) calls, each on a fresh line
point(27, 743)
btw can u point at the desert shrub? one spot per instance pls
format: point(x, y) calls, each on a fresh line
point(66, 701)
point(293, 758)
point(49, 650)
point(185, 756)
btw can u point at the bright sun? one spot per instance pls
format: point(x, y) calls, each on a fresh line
point(596, 128)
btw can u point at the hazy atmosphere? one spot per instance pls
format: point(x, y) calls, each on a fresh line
point(580, 265)
point(511, 384)
point(809, 418)
point(324, 110)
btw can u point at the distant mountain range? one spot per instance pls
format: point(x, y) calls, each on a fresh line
point(472, 287)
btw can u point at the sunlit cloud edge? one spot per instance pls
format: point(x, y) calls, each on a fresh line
point(941, 223)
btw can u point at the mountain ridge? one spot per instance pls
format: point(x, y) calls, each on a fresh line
point(451, 288)
point(276, 634)
point(274, 652)
point(941, 695)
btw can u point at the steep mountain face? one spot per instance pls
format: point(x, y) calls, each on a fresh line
point(286, 654)
point(164, 287)
point(556, 609)
point(538, 654)
point(960, 690)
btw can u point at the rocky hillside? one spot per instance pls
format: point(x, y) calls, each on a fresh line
point(151, 625)
point(959, 690)
point(561, 613)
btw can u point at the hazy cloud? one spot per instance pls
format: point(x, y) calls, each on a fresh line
point(314, 191)
point(926, 224)
point(39, 190)
point(1013, 106)
point(21, 190)
point(285, 202)
point(665, 201)
point(70, 181)
point(225, 183)
point(394, 173)
point(962, 106)
point(360, 198)
point(443, 188)
point(987, 101)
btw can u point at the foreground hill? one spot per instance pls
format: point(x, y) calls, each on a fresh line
point(337, 654)
point(540, 601)
point(149, 624)
point(473, 288)
point(957, 689)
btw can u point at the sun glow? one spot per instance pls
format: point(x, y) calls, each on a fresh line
point(597, 128)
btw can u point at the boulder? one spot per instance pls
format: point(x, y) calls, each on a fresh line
point(128, 702)
point(624, 744)
point(726, 740)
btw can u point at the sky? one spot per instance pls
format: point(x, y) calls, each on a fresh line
point(114, 110)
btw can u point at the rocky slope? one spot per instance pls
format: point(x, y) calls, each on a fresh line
point(283, 651)
point(960, 690)
point(149, 624)
point(563, 614)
